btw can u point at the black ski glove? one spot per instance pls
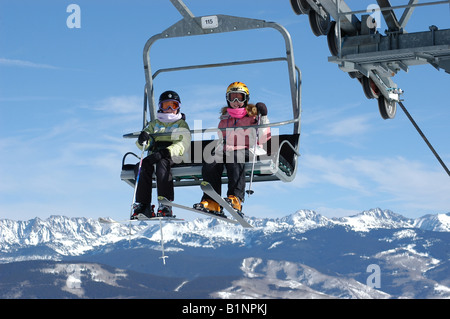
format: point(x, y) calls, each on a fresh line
point(143, 137)
point(262, 108)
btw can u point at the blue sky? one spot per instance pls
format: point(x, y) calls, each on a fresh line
point(68, 95)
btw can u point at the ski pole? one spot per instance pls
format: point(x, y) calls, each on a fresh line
point(144, 144)
point(163, 257)
point(250, 191)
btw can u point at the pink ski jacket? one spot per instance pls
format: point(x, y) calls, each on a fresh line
point(236, 138)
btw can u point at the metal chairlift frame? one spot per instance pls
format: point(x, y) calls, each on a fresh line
point(267, 169)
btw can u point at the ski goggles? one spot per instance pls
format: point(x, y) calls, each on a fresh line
point(234, 96)
point(169, 105)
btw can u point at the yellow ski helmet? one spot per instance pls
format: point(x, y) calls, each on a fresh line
point(238, 87)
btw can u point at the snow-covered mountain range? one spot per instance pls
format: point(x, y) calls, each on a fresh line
point(303, 255)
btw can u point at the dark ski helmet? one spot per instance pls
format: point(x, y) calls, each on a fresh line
point(169, 95)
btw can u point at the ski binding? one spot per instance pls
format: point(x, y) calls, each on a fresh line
point(208, 189)
point(165, 201)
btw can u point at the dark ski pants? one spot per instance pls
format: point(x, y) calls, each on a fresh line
point(234, 162)
point(164, 180)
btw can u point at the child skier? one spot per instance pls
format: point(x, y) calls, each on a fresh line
point(164, 148)
point(236, 145)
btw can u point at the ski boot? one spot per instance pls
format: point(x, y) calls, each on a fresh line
point(142, 211)
point(236, 203)
point(209, 206)
point(165, 211)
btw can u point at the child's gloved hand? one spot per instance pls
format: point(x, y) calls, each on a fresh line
point(262, 108)
point(143, 137)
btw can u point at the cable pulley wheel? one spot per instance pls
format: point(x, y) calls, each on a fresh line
point(387, 108)
point(300, 6)
point(370, 88)
point(333, 39)
point(319, 25)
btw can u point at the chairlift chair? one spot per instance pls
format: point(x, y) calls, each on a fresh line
point(282, 150)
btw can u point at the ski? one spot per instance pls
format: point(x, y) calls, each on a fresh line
point(208, 189)
point(165, 201)
point(140, 219)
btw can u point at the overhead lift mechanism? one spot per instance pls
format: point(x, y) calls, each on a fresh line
point(373, 59)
